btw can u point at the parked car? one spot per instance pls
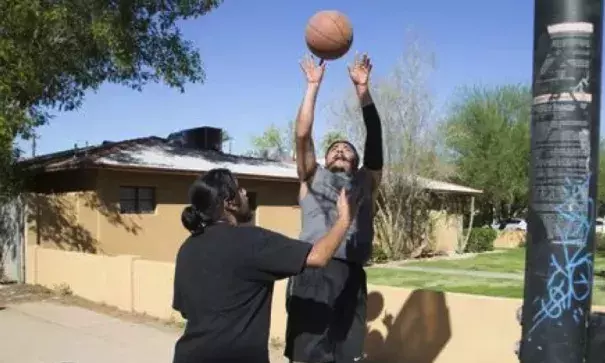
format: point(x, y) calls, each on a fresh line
point(600, 225)
point(511, 224)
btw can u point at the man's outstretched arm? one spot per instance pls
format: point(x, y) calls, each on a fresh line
point(306, 161)
point(373, 159)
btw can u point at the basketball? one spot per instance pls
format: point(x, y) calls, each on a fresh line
point(329, 34)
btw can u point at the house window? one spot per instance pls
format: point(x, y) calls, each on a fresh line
point(137, 200)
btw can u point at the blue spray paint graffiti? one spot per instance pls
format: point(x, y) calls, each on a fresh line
point(567, 283)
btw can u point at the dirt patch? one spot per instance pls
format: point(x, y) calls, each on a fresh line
point(21, 293)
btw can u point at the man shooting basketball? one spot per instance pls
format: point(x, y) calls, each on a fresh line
point(327, 306)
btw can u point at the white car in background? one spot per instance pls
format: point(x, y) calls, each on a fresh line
point(600, 225)
point(518, 224)
point(511, 224)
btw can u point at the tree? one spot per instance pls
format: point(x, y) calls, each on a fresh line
point(330, 137)
point(52, 52)
point(487, 135)
point(226, 138)
point(275, 143)
point(402, 223)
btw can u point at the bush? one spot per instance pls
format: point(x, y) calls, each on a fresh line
point(481, 240)
point(600, 242)
point(378, 255)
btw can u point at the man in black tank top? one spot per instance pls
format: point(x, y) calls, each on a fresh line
point(327, 306)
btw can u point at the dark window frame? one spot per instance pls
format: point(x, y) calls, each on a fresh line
point(137, 200)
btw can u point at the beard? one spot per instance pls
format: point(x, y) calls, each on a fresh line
point(336, 167)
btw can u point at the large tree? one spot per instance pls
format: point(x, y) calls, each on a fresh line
point(52, 52)
point(487, 134)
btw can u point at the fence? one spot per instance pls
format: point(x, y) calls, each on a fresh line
point(404, 325)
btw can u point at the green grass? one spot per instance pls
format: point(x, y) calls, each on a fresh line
point(461, 284)
point(444, 282)
point(509, 261)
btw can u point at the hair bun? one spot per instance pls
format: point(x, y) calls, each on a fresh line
point(191, 219)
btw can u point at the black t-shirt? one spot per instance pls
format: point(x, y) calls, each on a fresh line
point(223, 286)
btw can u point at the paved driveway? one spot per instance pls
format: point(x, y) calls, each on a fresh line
point(44, 332)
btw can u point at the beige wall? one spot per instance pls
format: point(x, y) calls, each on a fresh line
point(509, 239)
point(446, 231)
point(404, 325)
point(79, 211)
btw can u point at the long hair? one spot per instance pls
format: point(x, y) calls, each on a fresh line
point(207, 196)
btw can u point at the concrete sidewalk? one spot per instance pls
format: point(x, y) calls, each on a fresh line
point(43, 332)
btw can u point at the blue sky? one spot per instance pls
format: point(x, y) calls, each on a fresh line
point(251, 51)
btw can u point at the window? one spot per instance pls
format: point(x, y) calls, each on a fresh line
point(137, 200)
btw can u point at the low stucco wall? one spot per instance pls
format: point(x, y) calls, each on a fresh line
point(404, 325)
point(509, 239)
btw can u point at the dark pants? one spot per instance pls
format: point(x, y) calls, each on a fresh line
point(326, 314)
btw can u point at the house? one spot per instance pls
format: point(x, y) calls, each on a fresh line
point(126, 197)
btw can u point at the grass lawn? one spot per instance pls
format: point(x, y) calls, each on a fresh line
point(510, 261)
point(445, 282)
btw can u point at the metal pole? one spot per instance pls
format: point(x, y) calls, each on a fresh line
point(563, 180)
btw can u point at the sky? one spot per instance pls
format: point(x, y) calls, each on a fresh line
point(251, 51)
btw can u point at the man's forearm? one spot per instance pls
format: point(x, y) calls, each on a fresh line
point(363, 93)
point(324, 249)
point(373, 154)
point(305, 150)
point(306, 112)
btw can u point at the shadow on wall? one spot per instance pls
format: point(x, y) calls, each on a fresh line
point(416, 335)
point(54, 219)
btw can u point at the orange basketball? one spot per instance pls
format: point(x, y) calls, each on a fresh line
point(329, 34)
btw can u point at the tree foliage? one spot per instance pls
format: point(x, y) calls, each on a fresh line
point(329, 138)
point(52, 52)
point(275, 142)
point(487, 134)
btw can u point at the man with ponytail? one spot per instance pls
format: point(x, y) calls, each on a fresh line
point(225, 271)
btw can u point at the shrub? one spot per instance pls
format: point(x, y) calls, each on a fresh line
point(481, 240)
point(378, 255)
point(599, 241)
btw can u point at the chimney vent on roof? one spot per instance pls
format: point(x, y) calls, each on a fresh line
point(200, 138)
